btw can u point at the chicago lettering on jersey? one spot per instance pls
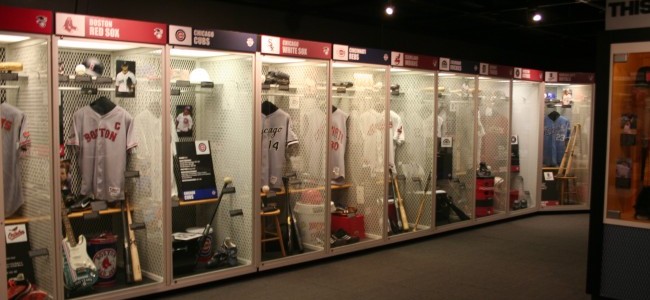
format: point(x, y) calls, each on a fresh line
point(272, 131)
point(629, 8)
point(102, 133)
point(6, 124)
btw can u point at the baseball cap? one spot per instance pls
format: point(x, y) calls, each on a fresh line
point(188, 107)
point(643, 77)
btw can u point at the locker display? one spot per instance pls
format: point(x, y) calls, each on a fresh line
point(493, 144)
point(27, 163)
point(365, 102)
point(457, 128)
point(414, 147)
point(525, 147)
point(566, 150)
point(212, 98)
point(294, 147)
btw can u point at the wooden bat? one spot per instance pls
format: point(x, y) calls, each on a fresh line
point(396, 203)
point(11, 66)
point(127, 251)
point(133, 247)
point(421, 208)
point(402, 211)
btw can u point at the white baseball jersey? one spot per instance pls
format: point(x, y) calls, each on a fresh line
point(397, 137)
point(314, 126)
point(103, 142)
point(185, 123)
point(370, 125)
point(277, 135)
point(15, 138)
point(338, 143)
point(121, 80)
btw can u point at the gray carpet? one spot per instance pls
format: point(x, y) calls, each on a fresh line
point(536, 257)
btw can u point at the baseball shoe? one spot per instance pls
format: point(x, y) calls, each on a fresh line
point(343, 235)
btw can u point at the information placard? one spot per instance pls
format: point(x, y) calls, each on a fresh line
point(25, 20)
point(213, 39)
point(362, 55)
point(194, 171)
point(293, 47)
point(408, 60)
point(569, 77)
point(528, 74)
point(459, 66)
point(110, 29)
point(493, 70)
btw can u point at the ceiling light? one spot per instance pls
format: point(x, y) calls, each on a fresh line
point(537, 16)
point(12, 38)
point(93, 45)
point(390, 10)
point(195, 53)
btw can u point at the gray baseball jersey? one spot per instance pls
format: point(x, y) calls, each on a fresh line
point(15, 139)
point(103, 141)
point(338, 143)
point(277, 135)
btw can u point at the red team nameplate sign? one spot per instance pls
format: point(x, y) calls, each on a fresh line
point(496, 70)
point(407, 60)
point(569, 77)
point(110, 29)
point(25, 20)
point(292, 47)
point(528, 74)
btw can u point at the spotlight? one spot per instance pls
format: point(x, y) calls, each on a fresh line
point(537, 16)
point(390, 10)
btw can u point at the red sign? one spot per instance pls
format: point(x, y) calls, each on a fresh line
point(575, 77)
point(293, 47)
point(407, 60)
point(25, 20)
point(528, 74)
point(110, 29)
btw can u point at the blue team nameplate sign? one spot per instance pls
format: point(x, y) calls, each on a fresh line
point(213, 39)
point(362, 55)
point(458, 66)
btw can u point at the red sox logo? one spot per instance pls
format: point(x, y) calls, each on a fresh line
point(68, 26)
point(105, 260)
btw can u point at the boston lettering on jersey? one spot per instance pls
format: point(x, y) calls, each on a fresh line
point(629, 8)
point(102, 133)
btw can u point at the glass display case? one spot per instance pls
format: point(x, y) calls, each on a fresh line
point(526, 143)
point(109, 95)
point(566, 154)
point(212, 100)
point(26, 144)
point(456, 128)
point(359, 91)
point(627, 180)
point(293, 173)
point(493, 143)
point(413, 92)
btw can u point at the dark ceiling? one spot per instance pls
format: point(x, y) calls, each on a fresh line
point(569, 28)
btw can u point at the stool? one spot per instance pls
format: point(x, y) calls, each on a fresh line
point(566, 189)
point(269, 236)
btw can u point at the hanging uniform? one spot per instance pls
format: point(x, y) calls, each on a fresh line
point(15, 139)
point(277, 135)
point(555, 134)
point(103, 142)
point(338, 144)
point(397, 137)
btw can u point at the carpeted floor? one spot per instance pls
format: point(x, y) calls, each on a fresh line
point(536, 257)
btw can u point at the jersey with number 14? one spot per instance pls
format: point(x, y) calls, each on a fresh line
point(277, 135)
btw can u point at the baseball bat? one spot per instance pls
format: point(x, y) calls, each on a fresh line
point(125, 237)
point(395, 202)
point(206, 230)
point(294, 226)
point(402, 211)
point(421, 208)
point(133, 247)
point(11, 66)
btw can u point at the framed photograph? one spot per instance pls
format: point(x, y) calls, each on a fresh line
point(125, 81)
point(623, 173)
point(184, 120)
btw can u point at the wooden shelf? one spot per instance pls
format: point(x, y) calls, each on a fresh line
point(320, 188)
point(16, 220)
point(79, 214)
